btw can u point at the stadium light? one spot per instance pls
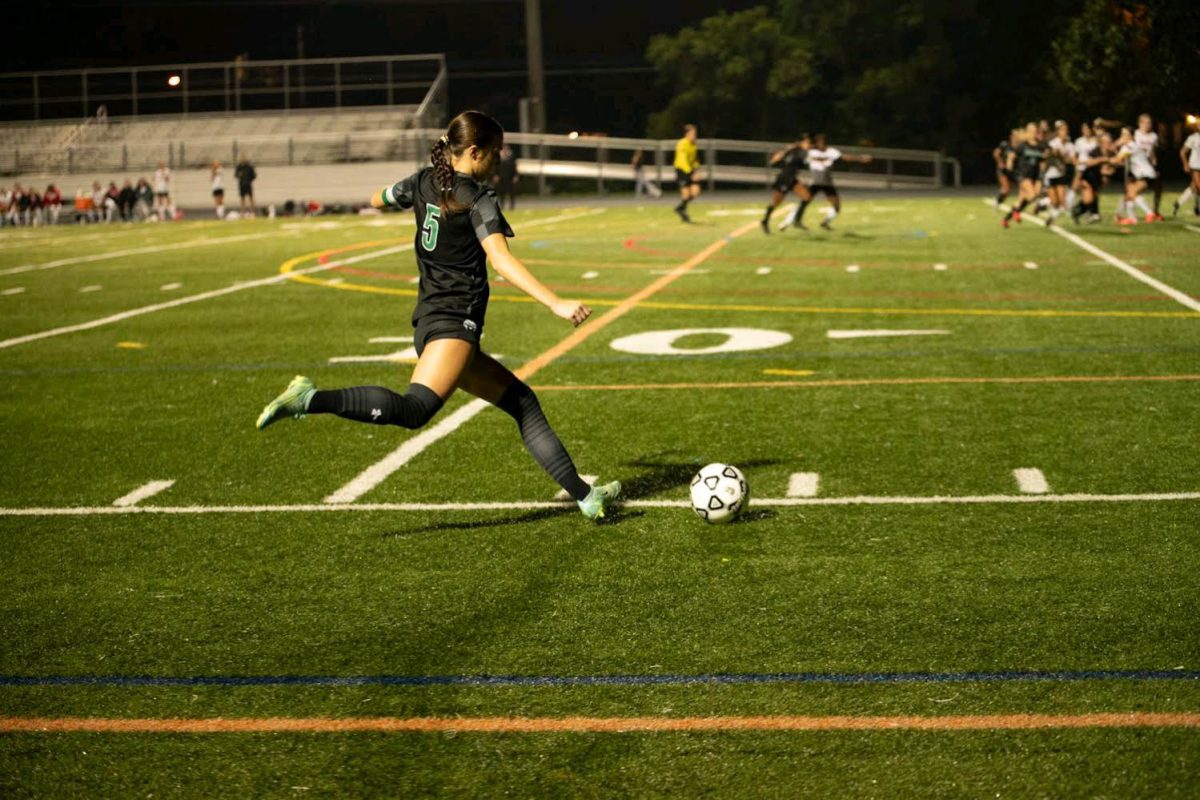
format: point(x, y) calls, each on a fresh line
point(173, 81)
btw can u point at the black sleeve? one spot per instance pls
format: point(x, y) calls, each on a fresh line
point(400, 194)
point(486, 217)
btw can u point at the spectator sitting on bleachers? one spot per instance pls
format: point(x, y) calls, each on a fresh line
point(83, 206)
point(52, 199)
point(145, 199)
point(5, 200)
point(126, 199)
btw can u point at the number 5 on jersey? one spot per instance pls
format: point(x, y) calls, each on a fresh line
point(429, 231)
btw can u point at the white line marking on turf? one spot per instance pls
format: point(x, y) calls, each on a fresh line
point(1031, 265)
point(95, 287)
point(672, 272)
point(1030, 480)
point(389, 339)
point(562, 496)
point(861, 500)
point(375, 474)
point(378, 472)
point(409, 354)
point(170, 287)
point(940, 267)
point(803, 484)
point(763, 271)
point(864, 334)
point(12, 291)
point(237, 287)
point(590, 274)
point(134, 251)
point(1191, 228)
point(1128, 269)
point(853, 268)
point(142, 492)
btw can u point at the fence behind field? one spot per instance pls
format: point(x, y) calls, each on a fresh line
point(395, 134)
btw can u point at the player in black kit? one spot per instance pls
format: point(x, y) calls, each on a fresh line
point(790, 161)
point(460, 227)
point(1027, 160)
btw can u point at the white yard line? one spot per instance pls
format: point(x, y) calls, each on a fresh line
point(1128, 269)
point(377, 473)
point(142, 492)
point(876, 333)
point(195, 298)
point(803, 484)
point(1192, 228)
point(133, 251)
point(862, 500)
point(1030, 480)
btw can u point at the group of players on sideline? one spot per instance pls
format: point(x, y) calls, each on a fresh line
point(129, 203)
point(808, 153)
point(1058, 174)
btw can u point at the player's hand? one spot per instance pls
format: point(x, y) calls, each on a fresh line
point(571, 310)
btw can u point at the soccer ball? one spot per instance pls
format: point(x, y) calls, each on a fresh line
point(719, 493)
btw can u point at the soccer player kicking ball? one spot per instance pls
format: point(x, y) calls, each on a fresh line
point(460, 228)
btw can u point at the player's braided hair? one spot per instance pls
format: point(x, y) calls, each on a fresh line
point(470, 128)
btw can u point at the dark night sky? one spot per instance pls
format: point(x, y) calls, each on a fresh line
point(480, 39)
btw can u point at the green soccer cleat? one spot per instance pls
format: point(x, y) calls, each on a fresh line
point(292, 403)
point(600, 499)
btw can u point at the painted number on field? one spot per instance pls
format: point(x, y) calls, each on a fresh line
point(666, 343)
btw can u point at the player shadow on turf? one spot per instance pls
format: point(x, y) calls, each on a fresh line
point(536, 515)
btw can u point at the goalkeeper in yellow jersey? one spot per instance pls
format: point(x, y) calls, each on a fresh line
point(687, 163)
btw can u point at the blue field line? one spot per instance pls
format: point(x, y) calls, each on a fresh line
point(734, 678)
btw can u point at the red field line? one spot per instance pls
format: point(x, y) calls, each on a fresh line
point(629, 387)
point(979, 722)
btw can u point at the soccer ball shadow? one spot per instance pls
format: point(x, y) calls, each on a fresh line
point(662, 475)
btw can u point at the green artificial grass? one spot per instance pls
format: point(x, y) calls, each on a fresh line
point(940, 588)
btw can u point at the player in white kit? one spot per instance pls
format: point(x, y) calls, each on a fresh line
point(1145, 138)
point(821, 158)
point(163, 206)
point(1189, 155)
point(1139, 172)
point(1060, 162)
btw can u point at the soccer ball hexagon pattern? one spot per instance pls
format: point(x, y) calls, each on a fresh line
point(719, 493)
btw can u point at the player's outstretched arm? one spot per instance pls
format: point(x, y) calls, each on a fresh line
point(512, 270)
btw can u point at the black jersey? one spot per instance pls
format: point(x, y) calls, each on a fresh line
point(1005, 147)
point(450, 255)
point(1029, 159)
point(794, 160)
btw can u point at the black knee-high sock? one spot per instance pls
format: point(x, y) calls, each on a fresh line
point(522, 404)
point(1017, 209)
point(800, 211)
point(767, 215)
point(378, 405)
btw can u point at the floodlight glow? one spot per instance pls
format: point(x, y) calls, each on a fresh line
point(173, 81)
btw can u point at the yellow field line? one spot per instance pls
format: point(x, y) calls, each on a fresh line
point(628, 387)
point(966, 722)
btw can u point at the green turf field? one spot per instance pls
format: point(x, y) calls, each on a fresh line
point(892, 569)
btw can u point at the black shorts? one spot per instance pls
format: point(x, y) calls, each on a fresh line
point(784, 184)
point(683, 179)
point(246, 191)
point(218, 192)
point(1028, 176)
point(1005, 173)
point(162, 194)
point(827, 188)
point(445, 326)
point(1092, 177)
point(1061, 180)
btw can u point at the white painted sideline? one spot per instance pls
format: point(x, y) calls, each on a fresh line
point(867, 334)
point(863, 500)
point(134, 251)
point(1191, 228)
point(142, 492)
point(803, 484)
point(1128, 269)
point(237, 287)
point(1030, 480)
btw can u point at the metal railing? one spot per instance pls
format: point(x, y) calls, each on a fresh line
point(555, 163)
point(223, 86)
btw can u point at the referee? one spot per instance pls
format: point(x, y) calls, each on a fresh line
point(686, 164)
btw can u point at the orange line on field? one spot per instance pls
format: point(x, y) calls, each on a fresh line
point(581, 334)
point(865, 382)
point(975, 722)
